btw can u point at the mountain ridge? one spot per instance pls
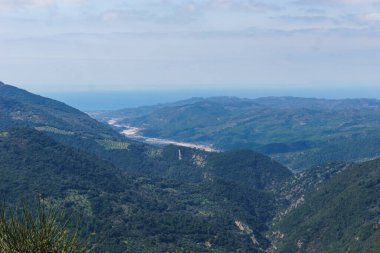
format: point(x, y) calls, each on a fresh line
point(340, 215)
point(289, 129)
point(174, 199)
point(22, 108)
point(134, 213)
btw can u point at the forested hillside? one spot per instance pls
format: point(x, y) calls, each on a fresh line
point(299, 132)
point(244, 167)
point(21, 108)
point(339, 215)
point(133, 197)
point(133, 214)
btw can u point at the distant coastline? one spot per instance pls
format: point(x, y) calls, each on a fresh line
point(114, 100)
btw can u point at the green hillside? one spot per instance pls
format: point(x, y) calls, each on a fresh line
point(298, 132)
point(67, 125)
point(244, 167)
point(340, 215)
point(21, 108)
point(133, 214)
point(133, 197)
point(76, 129)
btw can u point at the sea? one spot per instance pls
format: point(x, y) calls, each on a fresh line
point(91, 101)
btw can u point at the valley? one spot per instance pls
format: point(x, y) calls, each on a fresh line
point(133, 133)
point(298, 132)
point(132, 192)
point(189, 126)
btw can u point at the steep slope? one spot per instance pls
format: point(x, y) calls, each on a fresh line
point(128, 213)
point(244, 167)
point(298, 132)
point(21, 108)
point(175, 199)
point(339, 215)
point(74, 128)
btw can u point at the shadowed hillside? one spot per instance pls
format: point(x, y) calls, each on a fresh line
point(133, 214)
point(340, 215)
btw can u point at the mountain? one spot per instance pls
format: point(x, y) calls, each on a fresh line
point(128, 213)
point(20, 108)
point(298, 132)
point(72, 127)
point(134, 197)
point(342, 214)
point(244, 167)
point(23, 109)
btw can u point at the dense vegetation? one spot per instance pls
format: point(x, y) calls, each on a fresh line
point(244, 167)
point(298, 132)
point(42, 230)
point(340, 215)
point(130, 213)
point(132, 197)
point(19, 108)
point(71, 127)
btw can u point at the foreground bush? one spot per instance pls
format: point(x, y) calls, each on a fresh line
point(24, 231)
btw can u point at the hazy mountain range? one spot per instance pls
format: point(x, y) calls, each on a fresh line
point(134, 197)
point(299, 132)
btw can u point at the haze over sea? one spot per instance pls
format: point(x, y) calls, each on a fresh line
point(112, 100)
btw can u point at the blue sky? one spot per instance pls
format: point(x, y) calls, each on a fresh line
point(79, 45)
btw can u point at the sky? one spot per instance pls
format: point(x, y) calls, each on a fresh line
point(94, 45)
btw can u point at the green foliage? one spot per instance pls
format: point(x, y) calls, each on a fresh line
point(22, 230)
point(19, 108)
point(340, 215)
point(248, 168)
point(129, 213)
point(53, 130)
point(244, 167)
point(176, 199)
point(112, 145)
point(298, 132)
point(292, 190)
point(339, 150)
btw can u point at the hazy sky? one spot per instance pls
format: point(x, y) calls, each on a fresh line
point(127, 44)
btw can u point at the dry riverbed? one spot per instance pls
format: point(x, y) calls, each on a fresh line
point(134, 133)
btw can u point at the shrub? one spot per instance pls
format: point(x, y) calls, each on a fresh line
point(24, 231)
